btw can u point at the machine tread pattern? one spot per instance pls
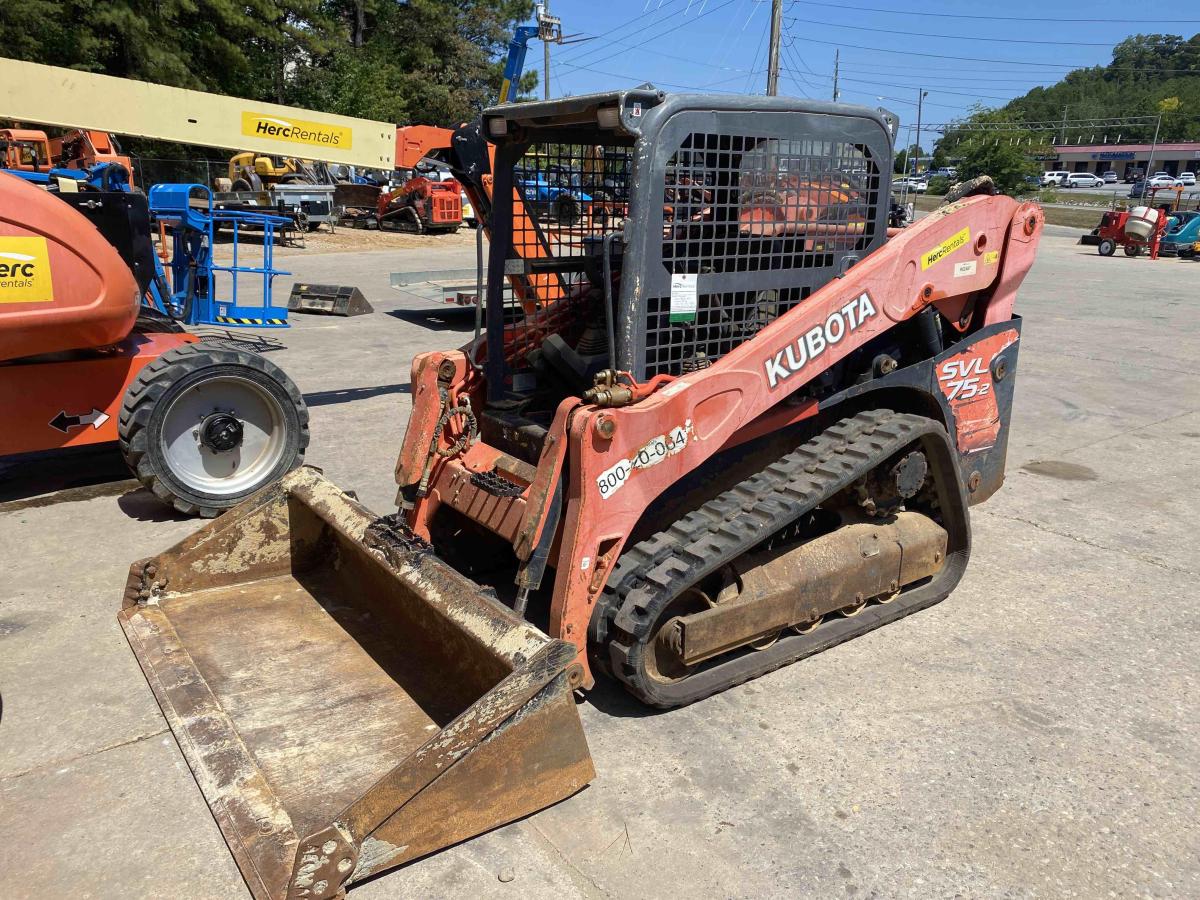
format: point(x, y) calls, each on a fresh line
point(153, 382)
point(651, 573)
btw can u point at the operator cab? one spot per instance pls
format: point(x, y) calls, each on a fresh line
point(730, 212)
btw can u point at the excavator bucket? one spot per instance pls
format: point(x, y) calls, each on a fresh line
point(346, 701)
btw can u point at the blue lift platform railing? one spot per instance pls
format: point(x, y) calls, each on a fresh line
point(187, 212)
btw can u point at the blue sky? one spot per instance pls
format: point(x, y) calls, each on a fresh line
point(721, 45)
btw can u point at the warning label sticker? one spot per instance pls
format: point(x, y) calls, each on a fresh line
point(945, 248)
point(25, 270)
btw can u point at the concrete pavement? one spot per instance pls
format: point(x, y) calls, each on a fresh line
point(1034, 735)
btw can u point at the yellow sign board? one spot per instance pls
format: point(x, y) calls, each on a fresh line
point(25, 270)
point(945, 248)
point(296, 131)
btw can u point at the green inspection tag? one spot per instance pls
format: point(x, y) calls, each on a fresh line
point(683, 298)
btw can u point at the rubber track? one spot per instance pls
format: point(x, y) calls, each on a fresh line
point(155, 379)
point(653, 572)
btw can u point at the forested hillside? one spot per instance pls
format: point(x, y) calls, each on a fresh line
point(430, 61)
point(1149, 74)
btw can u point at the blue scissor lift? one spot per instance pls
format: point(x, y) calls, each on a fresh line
point(191, 294)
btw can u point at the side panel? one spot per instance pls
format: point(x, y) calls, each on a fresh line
point(62, 285)
point(70, 403)
point(976, 378)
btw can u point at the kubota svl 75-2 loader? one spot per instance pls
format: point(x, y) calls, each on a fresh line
point(730, 427)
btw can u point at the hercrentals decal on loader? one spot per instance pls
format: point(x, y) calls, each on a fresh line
point(692, 446)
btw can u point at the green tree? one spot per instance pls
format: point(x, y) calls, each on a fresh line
point(426, 61)
point(905, 156)
point(433, 61)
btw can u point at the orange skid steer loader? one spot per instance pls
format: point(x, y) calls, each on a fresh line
point(733, 427)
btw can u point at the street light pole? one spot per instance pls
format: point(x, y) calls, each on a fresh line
point(546, 56)
point(1150, 161)
point(773, 52)
point(921, 95)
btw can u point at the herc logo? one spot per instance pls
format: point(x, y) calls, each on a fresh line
point(296, 131)
point(819, 338)
point(25, 270)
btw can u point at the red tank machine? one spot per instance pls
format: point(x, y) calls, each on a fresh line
point(1137, 229)
point(421, 204)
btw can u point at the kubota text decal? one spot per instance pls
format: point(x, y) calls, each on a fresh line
point(819, 338)
point(296, 131)
point(25, 270)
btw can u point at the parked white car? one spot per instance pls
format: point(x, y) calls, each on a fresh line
point(1049, 178)
point(1161, 180)
point(916, 185)
point(1083, 179)
point(1187, 179)
point(1110, 177)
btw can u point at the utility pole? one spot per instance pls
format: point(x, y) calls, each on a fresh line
point(549, 32)
point(836, 93)
point(921, 95)
point(1150, 161)
point(773, 56)
point(546, 53)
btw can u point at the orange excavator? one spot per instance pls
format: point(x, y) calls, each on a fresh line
point(30, 150)
point(422, 204)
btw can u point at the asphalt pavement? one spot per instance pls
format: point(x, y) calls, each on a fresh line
point(1035, 735)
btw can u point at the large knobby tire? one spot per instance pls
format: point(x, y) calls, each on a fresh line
point(1133, 250)
point(566, 210)
point(204, 427)
point(1107, 247)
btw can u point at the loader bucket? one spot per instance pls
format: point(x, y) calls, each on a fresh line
point(346, 701)
point(328, 300)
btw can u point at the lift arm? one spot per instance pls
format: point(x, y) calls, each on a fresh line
point(50, 95)
point(515, 64)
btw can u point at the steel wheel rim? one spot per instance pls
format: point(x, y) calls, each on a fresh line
point(235, 471)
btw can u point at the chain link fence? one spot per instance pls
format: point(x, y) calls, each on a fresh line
point(148, 171)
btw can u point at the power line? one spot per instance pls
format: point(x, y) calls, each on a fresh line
point(1010, 62)
point(955, 78)
point(945, 15)
point(660, 34)
point(636, 21)
point(934, 90)
point(790, 54)
point(956, 37)
point(690, 60)
point(657, 83)
point(754, 65)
